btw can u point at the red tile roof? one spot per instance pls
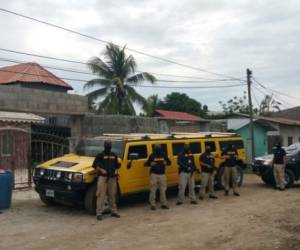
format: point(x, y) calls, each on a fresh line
point(280, 120)
point(177, 115)
point(30, 73)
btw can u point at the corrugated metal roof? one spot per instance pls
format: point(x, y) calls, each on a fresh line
point(177, 115)
point(20, 117)
point(30, 73)
point(280, 120)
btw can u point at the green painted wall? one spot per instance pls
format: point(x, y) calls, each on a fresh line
point(260, 137)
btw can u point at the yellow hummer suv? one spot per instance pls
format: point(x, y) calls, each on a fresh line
point(71, 178)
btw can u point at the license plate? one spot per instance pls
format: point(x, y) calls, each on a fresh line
point(50, 193)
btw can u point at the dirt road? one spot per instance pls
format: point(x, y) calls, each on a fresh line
point(261, 218)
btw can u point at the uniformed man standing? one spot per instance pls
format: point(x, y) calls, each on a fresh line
point(106, 165)
point(158, 162)
point(279, 162)
point(187, 168)
point(208, 171)
point(230, 170)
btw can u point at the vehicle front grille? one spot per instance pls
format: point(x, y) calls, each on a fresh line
point(258, 162)
point(53, 183)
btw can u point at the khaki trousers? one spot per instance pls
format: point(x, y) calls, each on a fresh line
point(184, 180)
point(278, 171)
point(158, 181)
point(230, 175)
point(106, 186)
point(207, 180)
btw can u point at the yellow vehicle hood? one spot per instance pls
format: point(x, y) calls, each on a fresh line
point(70, 162)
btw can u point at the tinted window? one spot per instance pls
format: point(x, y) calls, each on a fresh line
point(211, 144)
point(141, 150)
point(238, 144)
point(195, 147)
point(290, 140)
point(163, 148)
point(177, 148)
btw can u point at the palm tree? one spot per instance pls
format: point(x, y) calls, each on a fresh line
point(116, 81)
point(269, 104)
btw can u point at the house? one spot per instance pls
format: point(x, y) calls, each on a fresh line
point(267, 131)
point(33, 76)
point(287, 130)
point(241, 126)
point(172, 121)
point(28, 90)
point(15, 144)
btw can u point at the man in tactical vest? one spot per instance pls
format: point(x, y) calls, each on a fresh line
point(279, 162)
point(106, 166)
point(158, 162)
point(187, 168)
point(230, 156)
point(208, 171)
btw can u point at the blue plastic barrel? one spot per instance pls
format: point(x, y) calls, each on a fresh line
point(6, 188)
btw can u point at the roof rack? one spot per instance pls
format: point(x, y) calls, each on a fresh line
point(156, 136)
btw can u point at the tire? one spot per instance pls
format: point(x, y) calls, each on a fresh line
point(219, 180)
point(289, 177)
point(267, 180)
point(90, 200)
point(240, 176)
point(47, 201)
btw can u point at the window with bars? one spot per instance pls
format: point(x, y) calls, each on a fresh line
point(7, 145)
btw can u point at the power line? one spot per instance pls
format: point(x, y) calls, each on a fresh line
point(276, 91)
point(134, 85)
point(82, 80)
point(86, 64)
point(255, 99)
point(49, 67)
point(190, 87)
point(107, 42)
point(282, 101)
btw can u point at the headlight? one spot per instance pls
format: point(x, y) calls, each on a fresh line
point(58, 174)
point(77, 177)
point(68, 176)
point(42, 172)
point(268, 162)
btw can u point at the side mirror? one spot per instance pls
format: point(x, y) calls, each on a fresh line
point(133, 156)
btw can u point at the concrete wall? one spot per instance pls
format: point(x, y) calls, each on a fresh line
point(41, 86)
point(93, 125)
point(14, 98)
point(289, 131)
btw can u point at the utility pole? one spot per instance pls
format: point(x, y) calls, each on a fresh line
point(249, 82)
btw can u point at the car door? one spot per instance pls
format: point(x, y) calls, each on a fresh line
point(135, 175)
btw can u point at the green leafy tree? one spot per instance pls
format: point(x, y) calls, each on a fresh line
point(116, 76)
point(182, 103)
point(236, 105)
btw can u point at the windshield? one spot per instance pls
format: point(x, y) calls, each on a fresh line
point(92, 147)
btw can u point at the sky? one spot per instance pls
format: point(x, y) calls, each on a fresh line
point(225, 37)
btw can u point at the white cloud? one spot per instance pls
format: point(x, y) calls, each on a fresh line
point(221, 36)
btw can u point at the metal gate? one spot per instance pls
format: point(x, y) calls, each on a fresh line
point(47, 146)
point(15, 154)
